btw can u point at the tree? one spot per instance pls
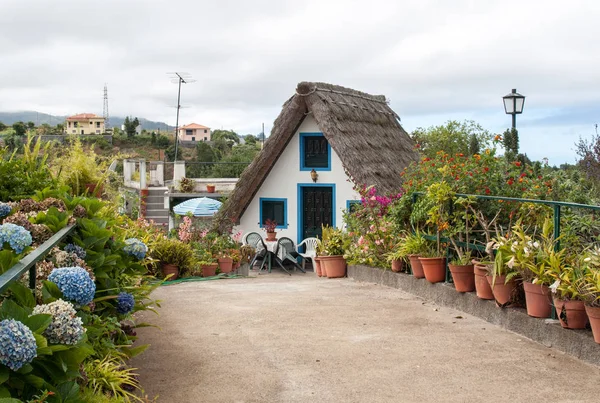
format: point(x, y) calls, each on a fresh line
point(162, 141)
point(170, 153)
point(510, 141)
point(20, 129)
point(589, 157)
point(453, 137)
point(131, 126)
point(2, 127)
point(30, 125)
point(204, 153)
point(241, 153)
point(229, 136)
point(250, 139)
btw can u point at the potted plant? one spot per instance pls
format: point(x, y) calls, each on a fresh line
point(536, 261)
point(568, 301)
point(335, 243)
point(319, 268)
point(413, 246)
point(174, 256)
point(463, 272)
point(269, 226)
point(461, 267)
point(397, 259)
point(186, 185)
point(206, 261)
point(433, 261)
point(590, 290)
point(221, 249)
point(210, 188)
point(503, 272)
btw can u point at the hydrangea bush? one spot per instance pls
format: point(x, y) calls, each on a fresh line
point(66, 327)
point(5, 210)
point(17, 237)
point(136, 248)
point(75, 283)
point(125, 303)
point(17, 344)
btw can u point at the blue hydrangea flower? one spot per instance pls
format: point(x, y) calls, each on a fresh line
point(125, 303)
point(17, 344)
point(75, 284)
point(4, 210)
point(78, 250)
point(17, 237)
point(66, 327)
point(135, 247)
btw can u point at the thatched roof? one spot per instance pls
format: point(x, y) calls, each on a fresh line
point(361, 128)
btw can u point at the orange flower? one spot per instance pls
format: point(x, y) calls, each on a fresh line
point(497, 137)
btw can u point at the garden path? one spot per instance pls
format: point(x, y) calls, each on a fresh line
point(278, 338)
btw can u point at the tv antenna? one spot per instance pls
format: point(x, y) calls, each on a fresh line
point(179, 78)
point(105, 108)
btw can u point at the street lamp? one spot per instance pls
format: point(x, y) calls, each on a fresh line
point(513, 104)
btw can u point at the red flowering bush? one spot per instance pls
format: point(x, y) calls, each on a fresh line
point(483, 174)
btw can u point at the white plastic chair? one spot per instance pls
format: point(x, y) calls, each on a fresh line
point(311, 250)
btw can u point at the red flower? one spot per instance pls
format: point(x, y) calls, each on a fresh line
point(485, 169)
point(518, 163)
point(487, 191)
point(510, 182)
point(523, 175)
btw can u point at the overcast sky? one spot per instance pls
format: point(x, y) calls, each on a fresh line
point(434, 60)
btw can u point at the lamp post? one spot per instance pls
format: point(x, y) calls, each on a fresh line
point(513, 105)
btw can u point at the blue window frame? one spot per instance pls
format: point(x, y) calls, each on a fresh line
point(351, 203)
point(315, 152)
point(274, 209)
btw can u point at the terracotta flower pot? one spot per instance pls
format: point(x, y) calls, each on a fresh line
point(416, 267)
point(323, 268)
point(210, 188)
point(434, 268)
point(335, 266)
point(571, 314)
point(317, 262)
point(594, 316)
point(170, 269)
point(271, 236)
point(484, 291)
point(397, 265)
point(502, 292)
point(463, 277)
point(225, 264)
point(209, 270)
point(538, 300)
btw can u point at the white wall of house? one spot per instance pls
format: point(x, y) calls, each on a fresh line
point(283, 180)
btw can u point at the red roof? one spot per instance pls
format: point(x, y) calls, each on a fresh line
point(194, 126)
point(84, 116)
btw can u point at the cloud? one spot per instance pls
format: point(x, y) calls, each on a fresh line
point(430, 58)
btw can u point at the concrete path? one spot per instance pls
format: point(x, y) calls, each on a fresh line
point(278, 338)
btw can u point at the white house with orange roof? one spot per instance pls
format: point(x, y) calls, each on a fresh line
point(84, 123)
point(193, 133)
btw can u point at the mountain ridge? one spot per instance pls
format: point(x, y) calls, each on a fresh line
point(39, 118)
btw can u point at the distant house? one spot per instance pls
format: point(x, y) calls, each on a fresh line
point(194, 132)
point(84, 123)
point(325, 137)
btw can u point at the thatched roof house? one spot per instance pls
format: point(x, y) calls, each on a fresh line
point(363, 131)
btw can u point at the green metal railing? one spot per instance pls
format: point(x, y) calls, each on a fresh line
point(29, 261)
point(556, 205)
